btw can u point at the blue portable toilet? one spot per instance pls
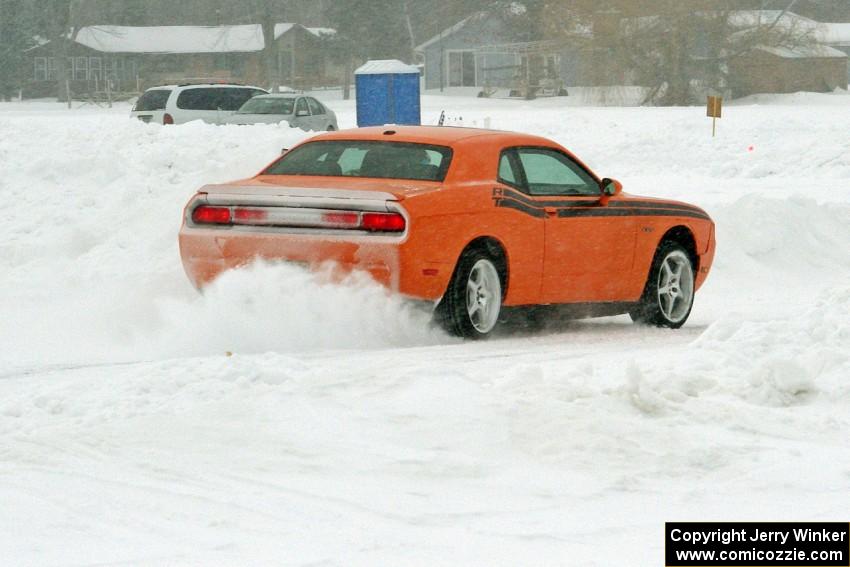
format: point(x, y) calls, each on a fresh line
point(387, 93)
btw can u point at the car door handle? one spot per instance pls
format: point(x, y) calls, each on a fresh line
point(551, 211)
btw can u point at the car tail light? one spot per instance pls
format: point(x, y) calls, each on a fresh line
point(249, 215)
point(297, 217)
point(211, 215)
point(167, 119)
point(383, 222)
point(341, 219)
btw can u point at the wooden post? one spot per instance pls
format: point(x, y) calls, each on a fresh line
point(714, 111)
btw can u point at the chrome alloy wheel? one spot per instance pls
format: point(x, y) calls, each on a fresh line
point(483, 296)
point(675, 286)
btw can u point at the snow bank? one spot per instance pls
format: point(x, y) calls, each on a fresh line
point(89, 253)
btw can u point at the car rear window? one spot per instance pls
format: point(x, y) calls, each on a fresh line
point(152, 100)
point(385, 160)
point(268, 106)
point(212, 98)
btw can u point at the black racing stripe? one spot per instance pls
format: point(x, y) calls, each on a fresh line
point(597, 212)
point(655, 205)
point(591, 208)
point(605, 212)
point(521, 207)
point(509, 193)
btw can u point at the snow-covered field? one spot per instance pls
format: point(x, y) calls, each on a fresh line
point(343, 430)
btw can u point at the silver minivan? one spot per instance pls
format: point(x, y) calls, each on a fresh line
point(177, 104)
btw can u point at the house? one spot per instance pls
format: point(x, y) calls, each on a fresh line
point(815, 65)
point(837, 36)
point(486, 50)
point(131, 59)
point(816, 68)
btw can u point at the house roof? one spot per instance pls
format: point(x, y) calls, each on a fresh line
point(748, 18)
point(451, 30)
point(182, 39)
point(836, 34)
point(829, 33)
point(825, 33)
point(805, 52)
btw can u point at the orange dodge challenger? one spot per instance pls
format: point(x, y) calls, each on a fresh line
point(472, 220)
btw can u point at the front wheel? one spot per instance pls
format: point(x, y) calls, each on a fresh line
point(473, 300)
point(669, 294)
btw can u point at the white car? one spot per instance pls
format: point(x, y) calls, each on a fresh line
point(299, 111)
point(177, 104)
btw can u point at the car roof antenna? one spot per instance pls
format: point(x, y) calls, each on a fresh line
point(442, 118)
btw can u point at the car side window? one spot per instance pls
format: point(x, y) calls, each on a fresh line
point(315, 107)
point(199, 99)
point(301, 106)
point(549, 172)
point(507, 174)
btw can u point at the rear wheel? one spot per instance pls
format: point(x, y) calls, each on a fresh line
point(473, 300)
point(669, 293)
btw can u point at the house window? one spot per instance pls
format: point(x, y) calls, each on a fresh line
point(52, 71)
point(81, 68)
point(461, 68)
point(40, 69)
point(119, 69)
point(95, 68)
point(110, 69)
point(130, 70)
point(496, 69)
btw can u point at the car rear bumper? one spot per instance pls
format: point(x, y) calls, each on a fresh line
point(206, 253)
point(148, 117)
point(391, 259)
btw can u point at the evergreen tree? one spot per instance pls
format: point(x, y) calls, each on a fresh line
point(16, 35)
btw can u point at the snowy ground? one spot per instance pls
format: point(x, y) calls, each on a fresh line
point(343, 430)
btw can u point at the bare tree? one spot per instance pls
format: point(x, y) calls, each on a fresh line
point(367, 29)
point(268, 19)
point(678, 49)
point(63, 25)
point(409, 26)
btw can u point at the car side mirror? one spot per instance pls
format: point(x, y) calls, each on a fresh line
point(611, 187)
point(300, 113)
